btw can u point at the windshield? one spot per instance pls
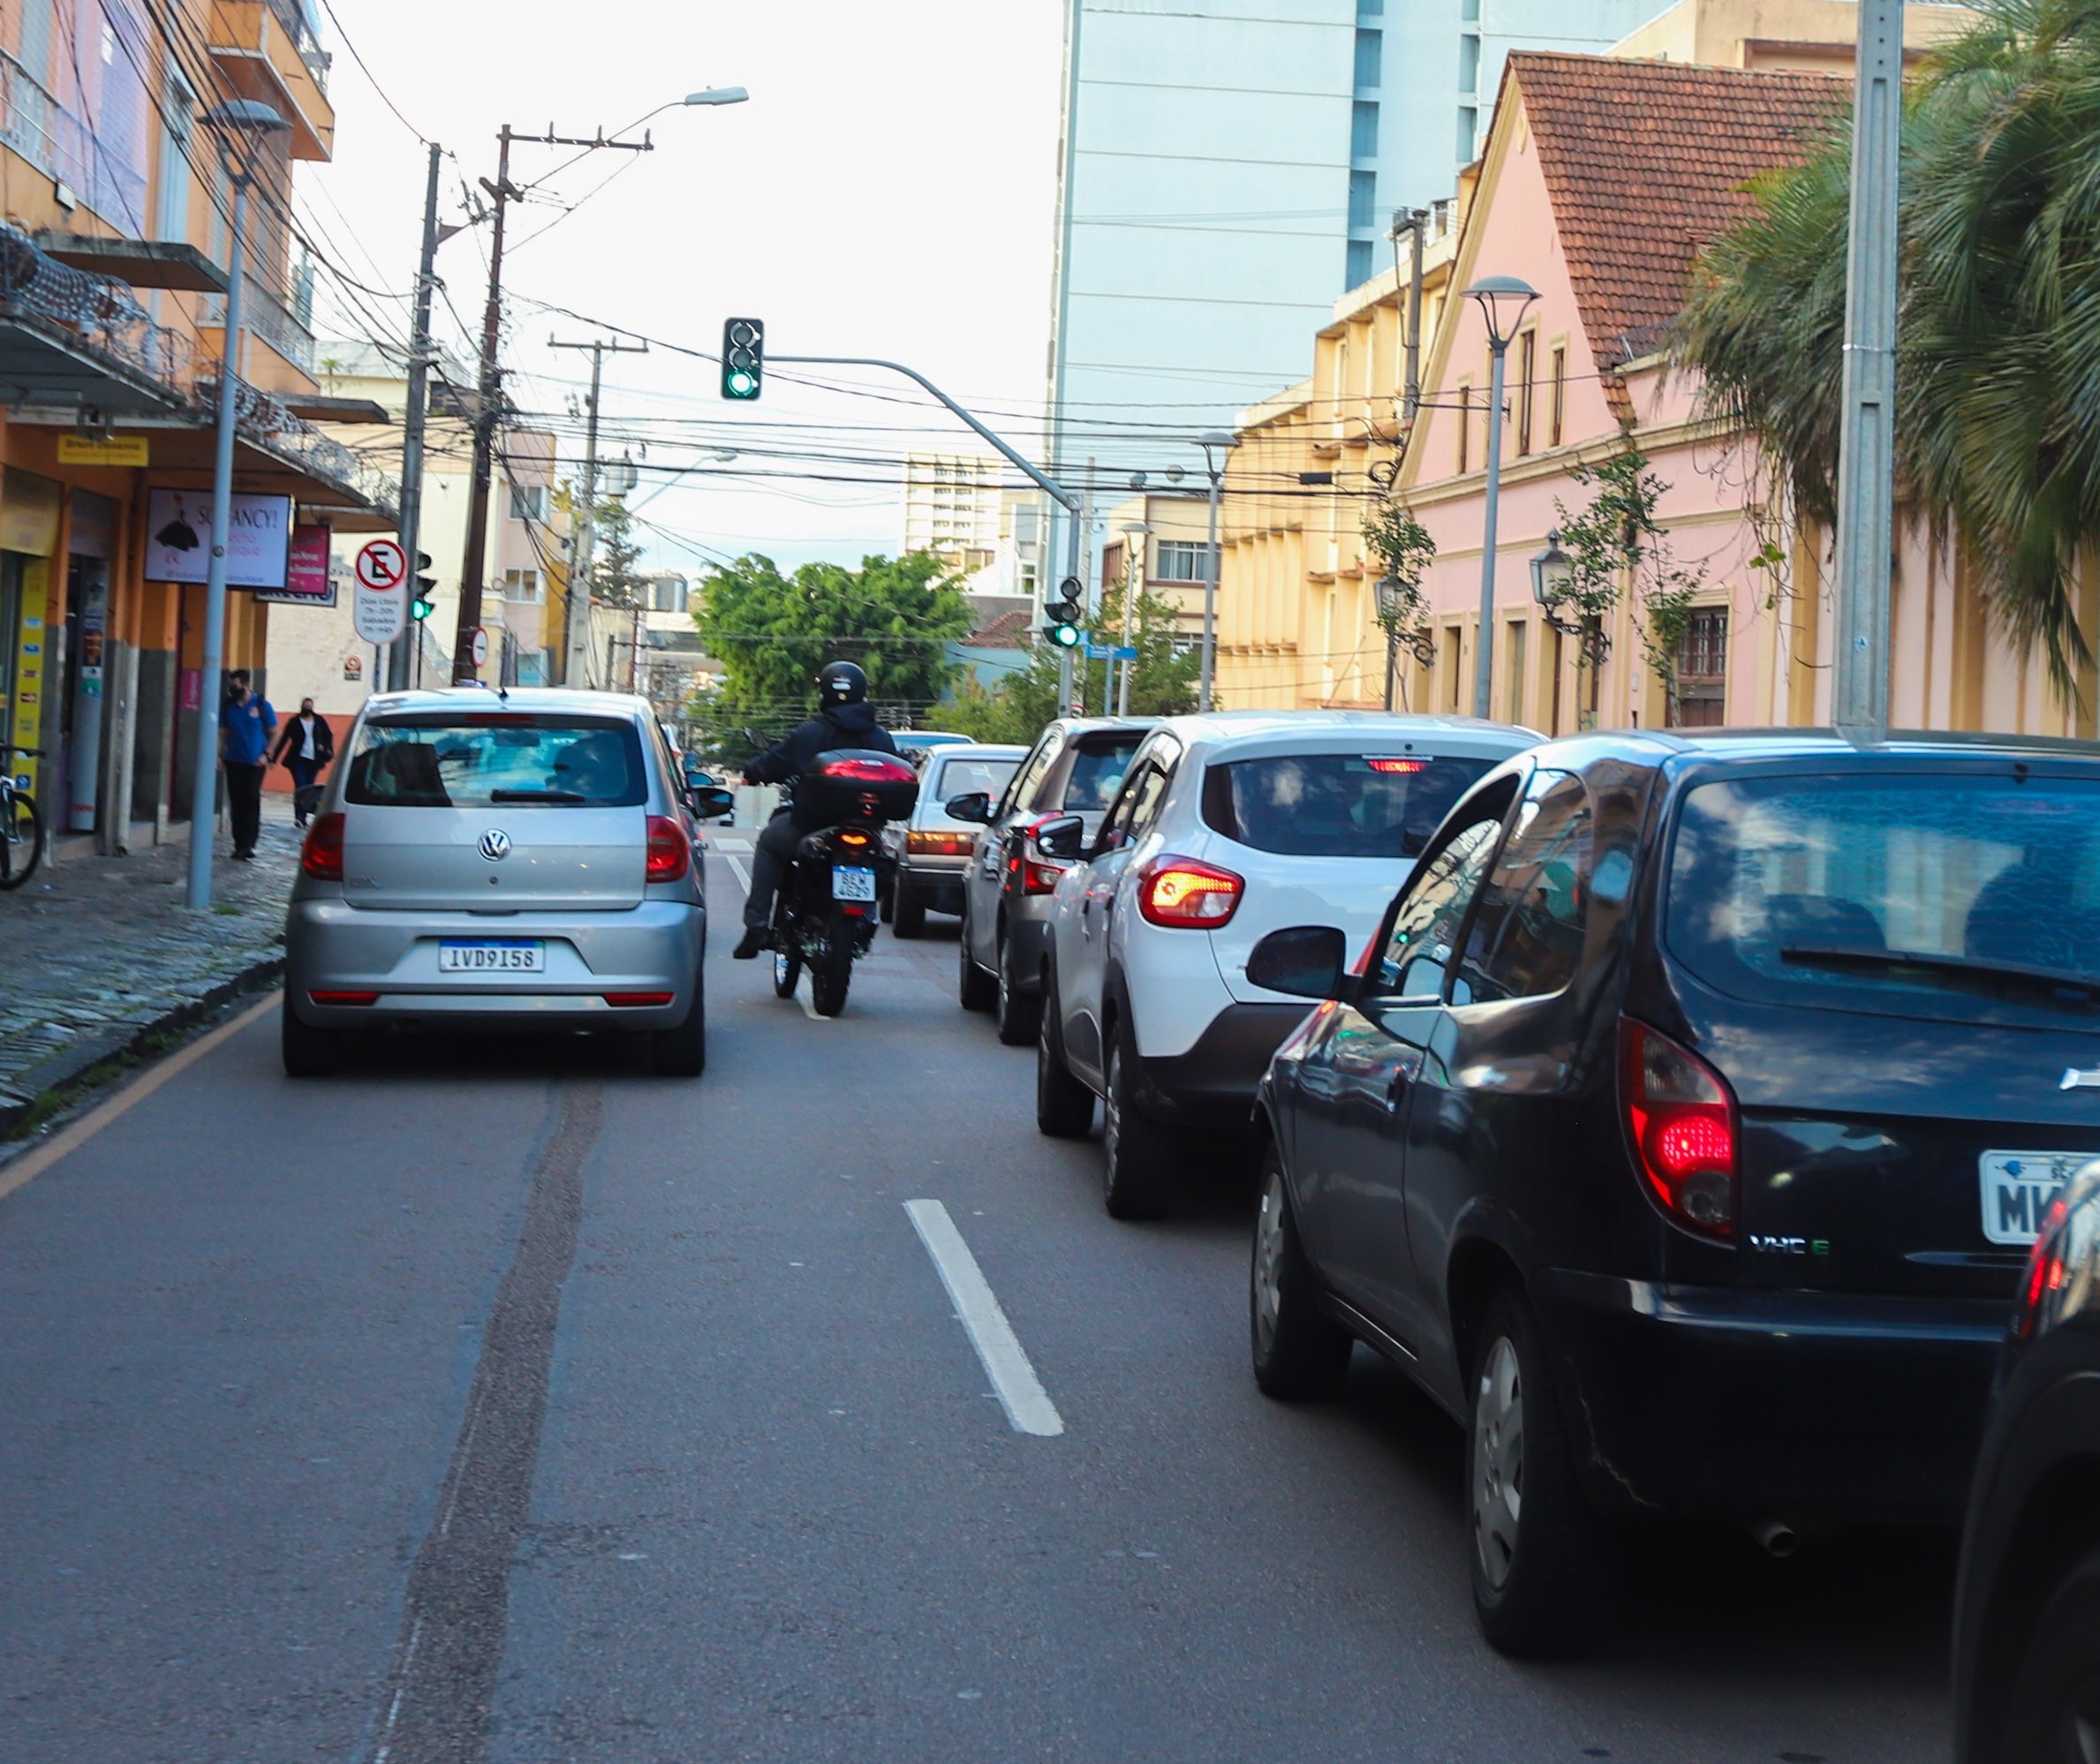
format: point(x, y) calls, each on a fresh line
point(1817, 889)
point(485, 760)
point(961, 777)
point(1336, 805)
point(1098, 771)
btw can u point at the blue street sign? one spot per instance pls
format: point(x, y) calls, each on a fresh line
point(1111, 652)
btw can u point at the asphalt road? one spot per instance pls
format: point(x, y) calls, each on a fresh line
point(505, 1403)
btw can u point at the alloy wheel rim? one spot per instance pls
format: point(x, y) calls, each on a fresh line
point(1497, 1462)
point(1268, 1263)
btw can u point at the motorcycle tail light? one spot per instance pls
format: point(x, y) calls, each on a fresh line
point(1184, 893)
point(671, 852)
point(1683, 1121)
point(321, 858)
point(852, 836)
point(868, 770)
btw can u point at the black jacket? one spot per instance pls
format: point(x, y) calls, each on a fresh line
point(291, 738)
point(835, 726)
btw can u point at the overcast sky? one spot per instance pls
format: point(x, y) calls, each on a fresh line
point(888, 191)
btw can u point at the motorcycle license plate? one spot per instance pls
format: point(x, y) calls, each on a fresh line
point(852, 884)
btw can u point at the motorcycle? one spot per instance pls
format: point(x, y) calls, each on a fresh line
point(824, 914)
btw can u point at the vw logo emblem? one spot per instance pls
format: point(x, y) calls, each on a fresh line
point(496, 843)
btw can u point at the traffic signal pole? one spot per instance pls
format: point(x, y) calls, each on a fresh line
point(400, 666)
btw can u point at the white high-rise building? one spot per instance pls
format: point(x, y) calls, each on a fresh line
point(952, 507)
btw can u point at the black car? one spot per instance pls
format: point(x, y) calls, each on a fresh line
point(2026, 1616)
point(1683, 1129)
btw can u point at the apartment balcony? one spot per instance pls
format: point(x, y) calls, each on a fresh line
point(265, 50)
point(74, 344)
point(62, 146)
point(265, 318)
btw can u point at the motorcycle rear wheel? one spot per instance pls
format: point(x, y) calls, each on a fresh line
point(787, 970)
point(831, 969)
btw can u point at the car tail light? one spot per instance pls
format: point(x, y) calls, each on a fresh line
point(1036, 874)
point(1399, 766)
point(344, 997)
point(932, 844)
point(629, 1000)
point(2044, 1278)
point(1184, 893)
point(321, 858)
point(1683, 1121)
point(670, 851)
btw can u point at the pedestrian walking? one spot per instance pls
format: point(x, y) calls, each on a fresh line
point(304, 750)
point(246, 725)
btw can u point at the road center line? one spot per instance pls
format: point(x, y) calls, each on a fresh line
point(1021, 1393)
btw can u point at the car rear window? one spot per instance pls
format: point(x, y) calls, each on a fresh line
point(495, 759)
point(1967, 896)
point(1336, 805)
point(959, 777)
point(1098, 771)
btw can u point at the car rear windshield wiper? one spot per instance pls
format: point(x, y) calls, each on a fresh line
point(1962, 970)
point(537, 796)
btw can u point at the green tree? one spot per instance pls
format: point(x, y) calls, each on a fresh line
point(1999, 350)
point(1402, 549)
point(615, 559)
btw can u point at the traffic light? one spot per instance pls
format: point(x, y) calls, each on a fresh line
point(1062, 615)
point(743, 358)
point(425, 602)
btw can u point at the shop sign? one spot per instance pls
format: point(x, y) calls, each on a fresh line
point(307, 579)
point(29, 513)
point(109, 450)
point(27, 710)
point(179, 538)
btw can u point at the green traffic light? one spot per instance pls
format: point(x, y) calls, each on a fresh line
point(1065, 637)
point(738, 384)
point(422, 609)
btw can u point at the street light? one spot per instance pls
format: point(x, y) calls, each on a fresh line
point(1392, 604)
point(1551, 570)
point(1209, 439)
point(250, 122)
point(1135, 534)
point(715, 94)
point(1503, 301)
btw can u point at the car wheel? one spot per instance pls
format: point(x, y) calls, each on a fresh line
point(309, 1052)
point(1542, 1566)
point(1018, 1014)
point(1297, 1351)
point(909, 917)
point(1137, 1156)
point(1064, 1107)
point(787, 970)
point(2054, 1713)
point(886, 910)
point(975, 990)
point(682, 1052)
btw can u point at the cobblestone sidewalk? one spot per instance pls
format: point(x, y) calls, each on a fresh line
point(98, 953)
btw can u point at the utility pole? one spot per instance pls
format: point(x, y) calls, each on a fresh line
point(1867, 437)
point(584, 533)
point(489, 399)
point(414, 419)
point(1081, 554)
point(1415, 223)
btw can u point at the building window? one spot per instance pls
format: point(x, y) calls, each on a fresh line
point(1469, 64)
point(1370, 9)
point(1363, 200)
point(1527, 370)
point(528, 502)
point(1455, 657)
point(1468, 133)
point(1557, 411)
point(1465, 426)
point(1370, 53)
point(178, 108)
point(1178, 561)
point(1362, 255)
point(1701, 700)
point(1513, 681)
point(1364, 131)
point(668, 594)
point(521, 585)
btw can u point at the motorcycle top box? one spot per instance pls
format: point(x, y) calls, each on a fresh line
point(857, 784)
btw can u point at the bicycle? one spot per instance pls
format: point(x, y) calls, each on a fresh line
point(21, 822)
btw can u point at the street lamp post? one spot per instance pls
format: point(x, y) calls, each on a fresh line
point(1135, 534)
point(1215, 471)
point(1389, 611)
point(250, 121)
point(1503, 301)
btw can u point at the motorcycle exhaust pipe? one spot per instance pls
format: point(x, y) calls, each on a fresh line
point(1776, 1538)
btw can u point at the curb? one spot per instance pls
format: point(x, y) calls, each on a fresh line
point(130, 1038)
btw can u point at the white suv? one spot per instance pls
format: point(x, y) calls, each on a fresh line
point(1227, 826)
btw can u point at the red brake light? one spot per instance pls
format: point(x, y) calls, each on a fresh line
point(321, 858)
point(934, 844)
point(1398, 765)
point(1183, 893)
point(634, 1000)
point(671, 852)
point(1681, 1119)
point(2044, 1273)
point(344, 998)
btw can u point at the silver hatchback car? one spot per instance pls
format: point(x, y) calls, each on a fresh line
point(525, 860)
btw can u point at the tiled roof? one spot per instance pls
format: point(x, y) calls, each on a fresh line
point(1008, 630)
point(1645, 163)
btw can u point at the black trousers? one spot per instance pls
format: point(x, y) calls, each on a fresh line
point(244, 804)
point(769, 863)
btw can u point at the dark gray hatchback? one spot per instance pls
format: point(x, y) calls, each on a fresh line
point(1683, 1128)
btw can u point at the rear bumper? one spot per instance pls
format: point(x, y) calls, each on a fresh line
point(1212, 1085)
point(1812, 1408)
point(655, 947)
point(936, 881)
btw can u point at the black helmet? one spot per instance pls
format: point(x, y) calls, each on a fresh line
point(841, 682)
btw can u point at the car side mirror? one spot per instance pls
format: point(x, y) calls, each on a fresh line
point(711, 801)
point(976, 806)
point(1061, 838)
point(1307, 961)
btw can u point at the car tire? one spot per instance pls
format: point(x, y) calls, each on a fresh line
point(787, 970)
point(682, 1052)
point(909, 918)
point(1064, 1107)
point(1137, 1156)
point(2057, 1689)
point(975, 990)
point(1018, 1015)
point(1299, 1352)
point(1543, 1569)
point(308, 1053)
point(888, 910)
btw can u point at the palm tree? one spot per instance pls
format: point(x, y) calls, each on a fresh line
point(1998, 357)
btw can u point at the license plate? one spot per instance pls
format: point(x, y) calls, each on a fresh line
point(513, 957)
point(852, 885)
point(2018, 1186)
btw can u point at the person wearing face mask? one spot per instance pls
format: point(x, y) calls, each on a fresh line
point(246, 722)
point(304, 750)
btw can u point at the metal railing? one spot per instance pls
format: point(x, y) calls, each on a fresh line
point(63, 147)
point(293, 16)
point(99, 313)
point(263, 312)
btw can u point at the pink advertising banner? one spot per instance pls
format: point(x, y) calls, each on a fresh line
point(306, 580)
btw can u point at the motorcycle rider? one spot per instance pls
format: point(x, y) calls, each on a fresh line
point(842, 721)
